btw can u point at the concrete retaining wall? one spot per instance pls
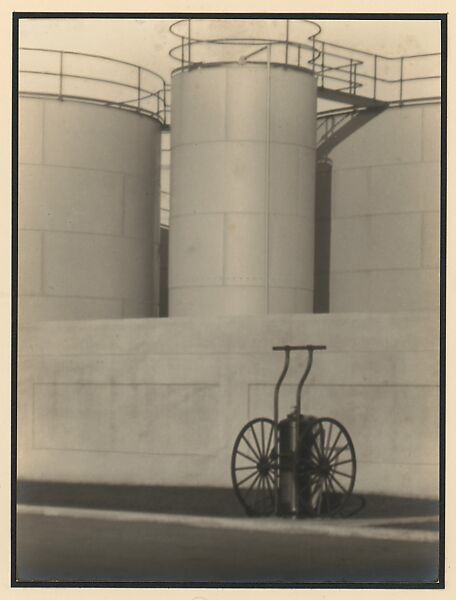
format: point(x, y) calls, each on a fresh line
point(160, 402)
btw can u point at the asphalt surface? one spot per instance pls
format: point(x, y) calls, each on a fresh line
point(70, 549)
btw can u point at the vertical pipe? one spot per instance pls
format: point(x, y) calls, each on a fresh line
point(189, 41)
point(276, 424)
point(298, 430)
point(322, 64)
point(322, 241)
point(139, 88)
point(61, 77)
point(299, 391)
point(267, 177)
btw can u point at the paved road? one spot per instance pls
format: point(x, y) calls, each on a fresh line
point(89, 549)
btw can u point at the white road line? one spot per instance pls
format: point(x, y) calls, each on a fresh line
point(372, 521)
point(339, 528)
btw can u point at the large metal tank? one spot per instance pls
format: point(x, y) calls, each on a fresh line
point(242, 190)
point(385, 214)
point(89, 186)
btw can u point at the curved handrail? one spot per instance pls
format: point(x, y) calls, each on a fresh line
point(101, 56)
point(187, 40)
point(336, 67)
point(173, 26)
point(149, 101)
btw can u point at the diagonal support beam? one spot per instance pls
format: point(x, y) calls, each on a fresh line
point(339, 133)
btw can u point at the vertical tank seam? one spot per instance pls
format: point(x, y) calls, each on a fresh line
point(225, 108)
point(422, 135)
point(421, 263)
point(369, 188)
point(43, 129)
point(42, 261)
point(122, 229)
point(223, 248)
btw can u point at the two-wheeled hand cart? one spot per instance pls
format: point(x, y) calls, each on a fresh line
point(300, 466)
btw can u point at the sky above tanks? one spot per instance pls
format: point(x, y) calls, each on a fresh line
point(147, 41)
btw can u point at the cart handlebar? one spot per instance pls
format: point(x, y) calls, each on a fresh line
point(289, 348)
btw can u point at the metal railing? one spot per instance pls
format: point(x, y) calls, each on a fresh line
point(338, 68)
point(95, 79)
point(328, 121)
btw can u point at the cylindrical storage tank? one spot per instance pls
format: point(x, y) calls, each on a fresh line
point(242, 190)
point(89, 198)
point(385, 214)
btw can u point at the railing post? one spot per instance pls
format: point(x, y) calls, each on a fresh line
point(139, 89)
point(313, 55)
point(189, 41)
point(182, 53)
point(61, 77)
point(350, 84)
point(164, 103)
point(375, 76)
point(323, 64)
point(286, 40)
point(401, 80)
point(355, 66)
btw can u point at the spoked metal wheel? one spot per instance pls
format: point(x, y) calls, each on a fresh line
point(326, 468)
point(253, 467)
